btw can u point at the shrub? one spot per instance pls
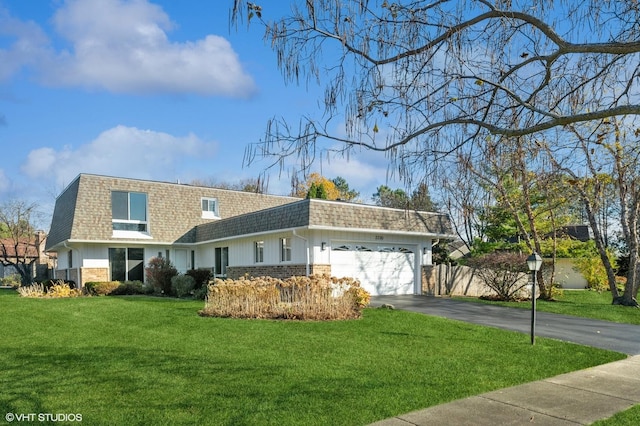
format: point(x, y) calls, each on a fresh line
point(129, 288)
point(200, 293)
point(503, 272)
point(101, 288)
point(318, 297)
point(159, 272)
point(592, 269)
point(201, 277)
point(62, 289)
point(182, 285)
point(50, 283)
point(13, 281)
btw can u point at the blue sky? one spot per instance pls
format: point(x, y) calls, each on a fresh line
point(160, 90)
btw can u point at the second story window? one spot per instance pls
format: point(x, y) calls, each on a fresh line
point(129, 211)
point(210, 208)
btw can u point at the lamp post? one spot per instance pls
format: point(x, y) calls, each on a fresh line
point(534, 262)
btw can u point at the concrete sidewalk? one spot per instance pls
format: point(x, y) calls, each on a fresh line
point(581, 397)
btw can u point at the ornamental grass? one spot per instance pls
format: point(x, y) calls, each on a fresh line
point(317, 297)
point(58, 290)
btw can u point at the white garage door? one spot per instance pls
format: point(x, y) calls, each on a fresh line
point(381, 270)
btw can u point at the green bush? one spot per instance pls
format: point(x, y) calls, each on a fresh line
point(200, 293)
point(129, 288)
point(201, 277)
point(13, 281)
point(592, 269)
point(101, 288)
point(159, 273)
point(182, 285)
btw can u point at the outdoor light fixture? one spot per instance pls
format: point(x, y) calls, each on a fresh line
point(323, 246)
point(534, 263)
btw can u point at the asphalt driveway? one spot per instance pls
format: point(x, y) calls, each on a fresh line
point(623, 338)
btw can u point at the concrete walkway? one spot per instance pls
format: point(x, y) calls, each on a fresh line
point(578, 398)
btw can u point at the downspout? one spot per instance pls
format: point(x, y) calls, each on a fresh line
point(306, 243)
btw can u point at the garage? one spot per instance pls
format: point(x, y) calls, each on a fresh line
point(381, 270)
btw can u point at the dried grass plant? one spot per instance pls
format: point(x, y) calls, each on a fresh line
point(317, 297)
point(58, 290)
point(33, 290)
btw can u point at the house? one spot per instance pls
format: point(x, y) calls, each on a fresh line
point(27, 251)
point(108, 228)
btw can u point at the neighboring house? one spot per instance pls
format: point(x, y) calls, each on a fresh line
point(27, 251)
point(108, 228)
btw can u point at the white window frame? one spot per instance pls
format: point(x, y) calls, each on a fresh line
point(209, 213)
point(258, 251)
point(285, 249)
point(120, 233)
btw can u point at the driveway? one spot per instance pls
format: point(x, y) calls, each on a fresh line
point(623, 338)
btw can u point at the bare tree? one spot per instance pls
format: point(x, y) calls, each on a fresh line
point(19, 245)
point(607, 153)
point(419, 79)
point(259, 186)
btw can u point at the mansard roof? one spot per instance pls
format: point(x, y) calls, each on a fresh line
point(323, 214)
point(83, 210)
point(83, 214)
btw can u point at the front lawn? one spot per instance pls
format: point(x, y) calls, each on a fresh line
point(580, 303)
point(144, 360)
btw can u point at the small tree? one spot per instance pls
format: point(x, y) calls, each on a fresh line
point(159, 272)
point(502, 272)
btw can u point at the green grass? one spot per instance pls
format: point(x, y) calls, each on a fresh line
point(630, 417)
point(581, 303)
point(143, 360)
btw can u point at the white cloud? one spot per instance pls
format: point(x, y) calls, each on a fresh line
point(28, 44)
point(120, 151)
point(123, 46)
point(5, 183)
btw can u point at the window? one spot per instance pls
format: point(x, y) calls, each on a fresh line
point(129, 211)
point(210, 208)
point(70, 259)
point(258, 251)
point(285, 249)
point(126, 264)
point(221, 261)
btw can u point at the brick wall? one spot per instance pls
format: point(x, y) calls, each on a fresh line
point(276, 271)
point(94, 274)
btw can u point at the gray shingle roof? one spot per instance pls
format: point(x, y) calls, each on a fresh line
point(327, 214)
point(83, 213)
point(83, 210)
